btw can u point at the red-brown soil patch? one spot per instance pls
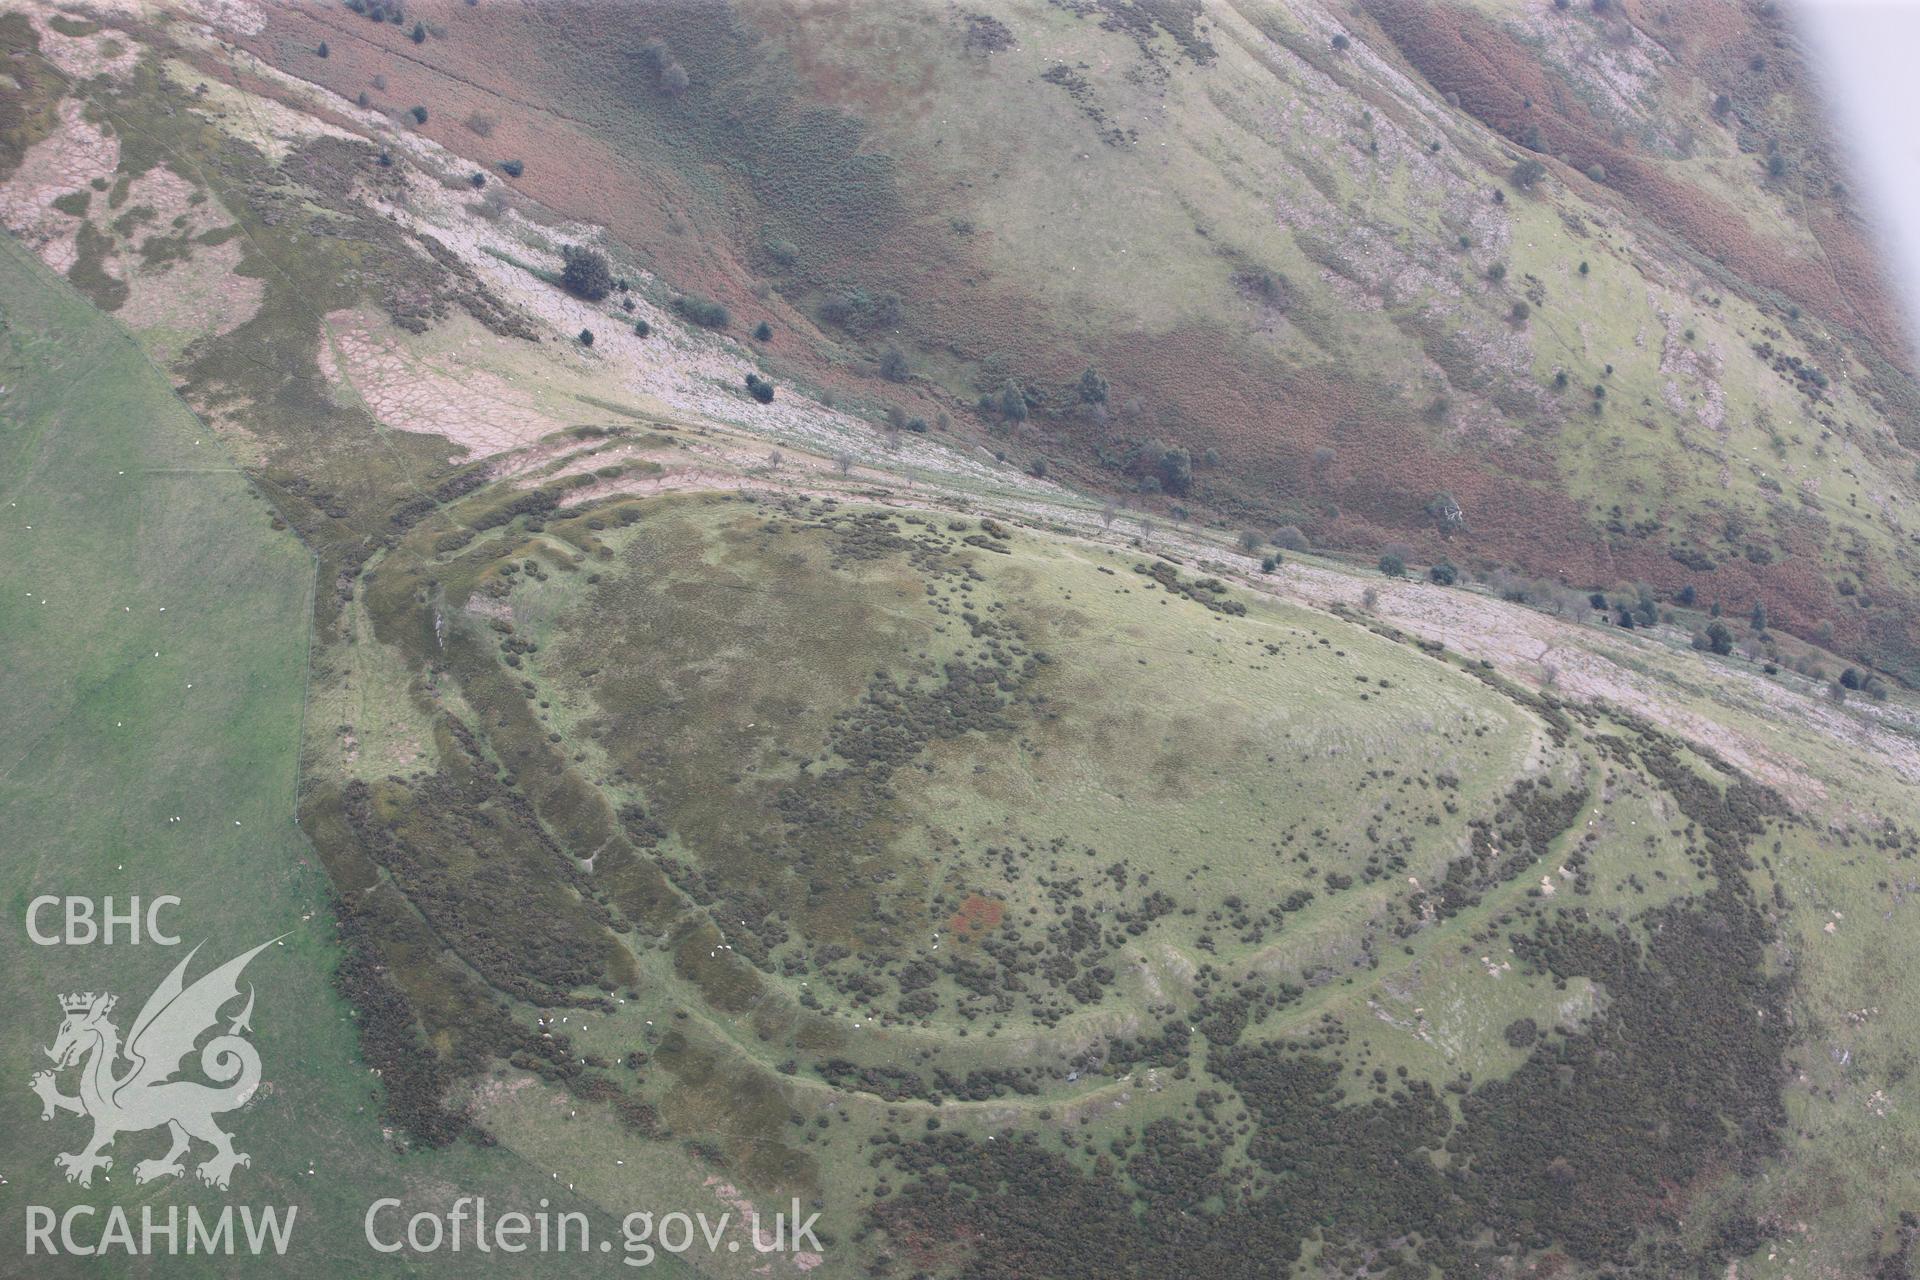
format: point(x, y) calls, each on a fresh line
point(976, 915)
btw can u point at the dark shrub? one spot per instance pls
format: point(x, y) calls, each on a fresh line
point(704, 312)
point(858, 311)
point(1291, 538)
point(1092, 387)
point(1012, 401)
point(585, 273)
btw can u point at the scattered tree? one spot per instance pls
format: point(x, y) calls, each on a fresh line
point(586, 337)
point(1171, 466)
point(584, 272)
point(763, 332)
point(1290, 538)
point(1012, 401)
point(512, 168)
point(1092, 387)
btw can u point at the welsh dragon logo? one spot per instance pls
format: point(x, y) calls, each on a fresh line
point(146, 1095)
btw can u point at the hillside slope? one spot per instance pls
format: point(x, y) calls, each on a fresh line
point(1293, 241)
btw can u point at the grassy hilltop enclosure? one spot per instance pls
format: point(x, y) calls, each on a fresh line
point(1095, 639)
